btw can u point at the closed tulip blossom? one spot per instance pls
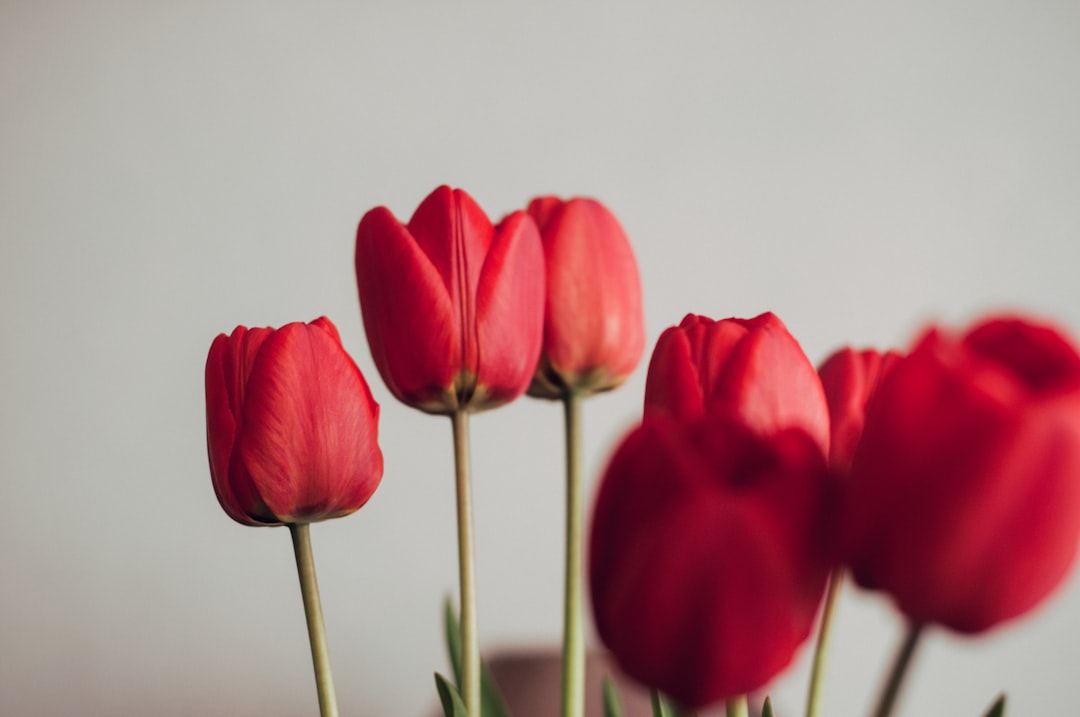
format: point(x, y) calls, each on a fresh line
point(751, 368)
point(453, 307)
point(594, 326)
point(850, 378)
point(291, 425)
point(964, 503)
point(707, 554)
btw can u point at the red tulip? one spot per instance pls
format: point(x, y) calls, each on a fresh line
point(850, 378)
point(594, 326)
point(707, 555)
point(964, 502)
point(453, 307)
point(291, 426)
point(752, 368)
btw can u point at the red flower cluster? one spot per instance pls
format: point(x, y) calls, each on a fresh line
point(953, 485)
point(458, 316)
point(948, 477)
point(463, 315)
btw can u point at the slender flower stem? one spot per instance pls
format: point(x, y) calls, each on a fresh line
point(309, 590)
point(470, 641)
point(821, 649)
point(738, 707)
point(573, 675)
point(899, 669)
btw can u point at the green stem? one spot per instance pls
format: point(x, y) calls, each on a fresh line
point(821, 650)
point(899, 670)
point(309, 590)
point(470, 642)
point(738, 707)
point(573, 675)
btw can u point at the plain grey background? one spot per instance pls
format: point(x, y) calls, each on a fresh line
point(169, 171)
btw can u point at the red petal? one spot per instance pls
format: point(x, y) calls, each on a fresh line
point(706, 564)
point(310, 438)
point(770, 383)
point(227, 367)
point(412, 327)
point(510, 311)
point(541, 209)
point(672, 384)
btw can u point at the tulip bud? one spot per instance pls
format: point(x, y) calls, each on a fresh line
point(964, 503)
point(291, 426)
point(850, 378)
point(707, 554)
point(594, 326)
point(453, 307)
point(751, 368)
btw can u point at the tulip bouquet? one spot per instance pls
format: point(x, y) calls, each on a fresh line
point(946, 476)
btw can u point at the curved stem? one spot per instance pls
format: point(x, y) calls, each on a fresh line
point(573, 667)
point(470, 642)
point(738, 707)
point(309, 590)
point(899, 670)
point(821, 649)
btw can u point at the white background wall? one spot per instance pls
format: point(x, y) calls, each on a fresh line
point(169, 170)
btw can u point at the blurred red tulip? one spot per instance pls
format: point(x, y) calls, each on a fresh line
point(453, 307)
point(291, 426)
point(707, 555)
point(850, 378)
point(751, 368)
point(964, 502)
point(594, 326)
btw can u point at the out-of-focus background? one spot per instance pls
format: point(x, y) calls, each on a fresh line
point(169, 170)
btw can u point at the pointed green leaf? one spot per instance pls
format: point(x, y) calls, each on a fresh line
point(612, 708)
point(766, 709)
point(998, 708)
point(660, 706)
point(453, 638)
point(491, 700)
point(451, 700)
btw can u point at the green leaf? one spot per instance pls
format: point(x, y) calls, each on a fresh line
point(453, 638)
point(660, 706)
point(998, 708)
point(491, 700)
point(612, 708)
point(766, 709)
point(451, 701)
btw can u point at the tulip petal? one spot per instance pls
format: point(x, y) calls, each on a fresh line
point(671, 384)
point(849, 379)
point(310, 435)
point(1039, 357)
point(455, 234)
point(769, 382)
point(411, 324)
point(706, 554)
point(687, 364)
point(227, 367)
point(510, 312)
